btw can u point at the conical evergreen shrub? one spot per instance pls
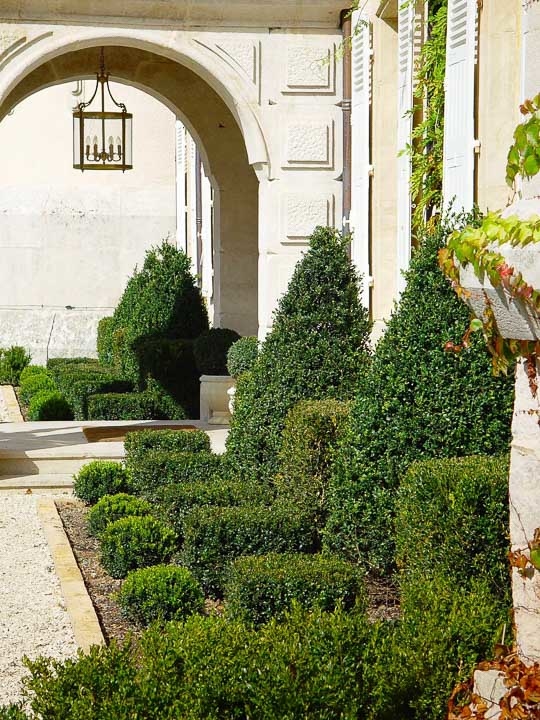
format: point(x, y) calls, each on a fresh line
point(417, 401)
point(318, 348)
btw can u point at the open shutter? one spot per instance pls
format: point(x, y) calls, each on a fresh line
point(206, 230)
point(409, 45)
point(360, 149)
point(192, 206)
point(181, 236)
point(459, 145)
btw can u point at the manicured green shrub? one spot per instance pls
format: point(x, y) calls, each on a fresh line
point(260, 588)
point(78, 385)
point(138, 444)
point(452, 517)
point(33, 384)
point(55, 365)
point(162, 592)
point(210, 350)
point(105, 331)
point(122, 406)
point(310, 436)
point(110, 508)
point(49, 405)
point(215, 536)
point(242, 355)
point(135, 542)
point(99, 478)
point(161, 300)
point(32, 370)
point(162, 467)
point(416, 402)
point(175, 501)
point(167, 369)
point(13, 360)
point(12, 712)
point(317, 348)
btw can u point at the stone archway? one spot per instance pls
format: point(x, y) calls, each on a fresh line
point(213, 124)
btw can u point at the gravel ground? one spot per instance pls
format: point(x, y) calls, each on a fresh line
point(33, 618)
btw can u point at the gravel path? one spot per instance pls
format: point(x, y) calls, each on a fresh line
point(33, 618)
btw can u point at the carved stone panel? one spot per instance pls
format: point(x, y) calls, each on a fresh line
point(301, 213)
point(309, 145)
point(309, 69)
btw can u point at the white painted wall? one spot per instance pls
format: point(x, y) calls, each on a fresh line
point(69, 238)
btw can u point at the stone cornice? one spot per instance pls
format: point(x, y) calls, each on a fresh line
point(177, 13)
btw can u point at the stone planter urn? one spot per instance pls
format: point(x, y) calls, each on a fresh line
point(215, 400)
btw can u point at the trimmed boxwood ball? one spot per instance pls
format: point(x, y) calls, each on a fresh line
point(210, 350)
point(114, 507)
point(162, 592)
point(135, 542)
point(318, 348)
point(35, 383)
point(49, 405)
point(99, 478)
point(416, 402)
point(260, 588)
point(138, 444)
point(241, 355)
point(162, 467)
point(32, 370)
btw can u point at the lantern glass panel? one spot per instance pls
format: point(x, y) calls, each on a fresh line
point(76, 142)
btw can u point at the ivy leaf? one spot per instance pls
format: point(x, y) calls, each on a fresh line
point(531, 166)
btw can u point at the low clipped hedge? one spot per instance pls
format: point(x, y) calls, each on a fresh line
point(210, 350)
point(49, 405)
point(99, 478)
point(35, 383)
point(215, 536)
point(111, 508)
point(452, 516)
point(310, 437)
point(138, 444)
point(122, 406)
point(57, 366)
point(78, 385)
point(175, 501)
point(135, 542)
point(162, 467)
point(162, 592)
point(260, 588)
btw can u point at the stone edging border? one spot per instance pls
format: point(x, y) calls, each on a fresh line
point(11, 403)
point(86, 627)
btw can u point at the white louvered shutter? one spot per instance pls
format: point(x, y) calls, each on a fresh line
point(409, 45)
point(360, 149)
point(181, 237)
point(192, 206)
point(459, 145)
point(206, 230)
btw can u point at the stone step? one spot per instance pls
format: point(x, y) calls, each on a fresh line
point(36, 482)
point(50, 463)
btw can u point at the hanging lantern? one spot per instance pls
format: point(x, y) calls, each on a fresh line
point(102, 140)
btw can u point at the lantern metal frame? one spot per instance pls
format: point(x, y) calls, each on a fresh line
point(97, 158)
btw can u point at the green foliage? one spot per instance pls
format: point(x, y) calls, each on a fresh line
point(122, 406)
point(59, 364)
point(161, 301)
point(214, 536)
point(114, 507)
point(135, 542)
point(32, 370)
point(12, 712)
point(524, 154)
point(416, 402)
point(175, 501)
point(162, 592)
point(426, 149)
point(138, 444)
point(105, 331)
point(99, 478)
point(242, 355)
point(317, 348)
point(12, 363)
point(35, 383)
point(452, 516)
point(260, 588)
point(163, 467)
point(77, 384)
point(310, 438)
point(49, 405)
point(211, 348)
point(167, 369)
